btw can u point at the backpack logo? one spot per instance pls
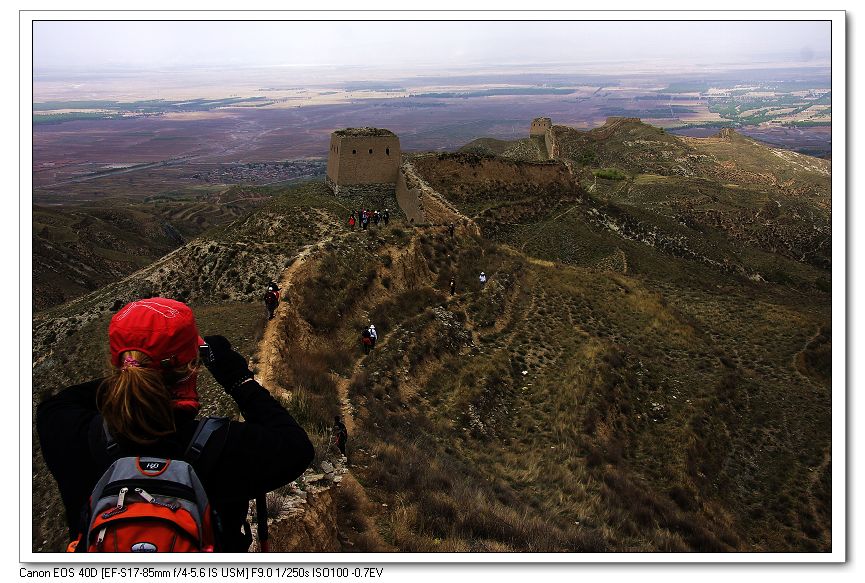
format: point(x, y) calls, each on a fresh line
point(144, 548)
point(152, 467)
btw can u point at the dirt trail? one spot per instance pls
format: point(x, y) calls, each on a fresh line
point(404, 273)
point(268, 352)
point(400, 277)
point(816, 475)
point(342, 385)
point(444, 211)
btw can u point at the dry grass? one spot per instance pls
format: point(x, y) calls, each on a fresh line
point(356, 516)
point(626, 434)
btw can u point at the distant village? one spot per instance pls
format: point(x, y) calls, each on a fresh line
point(260, 173)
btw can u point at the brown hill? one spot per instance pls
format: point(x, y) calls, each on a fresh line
point(79, 247)
point(648, 367)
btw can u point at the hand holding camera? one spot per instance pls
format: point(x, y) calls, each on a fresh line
point(226, 365)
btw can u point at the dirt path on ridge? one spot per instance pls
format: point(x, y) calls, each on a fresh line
point(268, 356)
point(268, 353)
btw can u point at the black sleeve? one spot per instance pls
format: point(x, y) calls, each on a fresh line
point(267, 450)
point(63, 423)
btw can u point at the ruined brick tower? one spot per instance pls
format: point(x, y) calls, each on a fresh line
point(540, 125)
point(363, 162)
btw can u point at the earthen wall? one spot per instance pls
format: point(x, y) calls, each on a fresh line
point(550, 143)
point(409, 200)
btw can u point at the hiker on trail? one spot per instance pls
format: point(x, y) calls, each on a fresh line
point(376, 217)
point(451, 230)
point(139, 423)
point(453, 286)
point(366, 340)
point(340, 434)
point(386, 216)
point(351, 221)
point(483, 279)
point(365, 220)
point(373, 335)
point(271, 299)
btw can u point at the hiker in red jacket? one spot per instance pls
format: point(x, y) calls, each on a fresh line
point(271, 299)
point(366, 340)
point(373, 335)
point(146, 406)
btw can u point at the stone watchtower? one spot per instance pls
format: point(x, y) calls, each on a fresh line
point(363, 161)
point(540, 125)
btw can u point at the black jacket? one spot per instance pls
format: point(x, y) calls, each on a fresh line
point(268, 450)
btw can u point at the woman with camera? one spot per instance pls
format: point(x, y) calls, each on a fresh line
point(143, 415)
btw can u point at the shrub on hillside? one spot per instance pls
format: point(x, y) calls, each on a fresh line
point(610, 174)
point(586, 157)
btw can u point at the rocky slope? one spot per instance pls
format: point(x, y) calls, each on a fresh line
point(82, 246)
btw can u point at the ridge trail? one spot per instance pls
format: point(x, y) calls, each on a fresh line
point(268, 351)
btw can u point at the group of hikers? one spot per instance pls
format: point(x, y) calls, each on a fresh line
point(368, 338)
point(364, 217)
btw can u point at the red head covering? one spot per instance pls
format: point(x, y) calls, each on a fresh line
point(165, 331)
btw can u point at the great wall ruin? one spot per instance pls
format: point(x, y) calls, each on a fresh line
point(367, 165)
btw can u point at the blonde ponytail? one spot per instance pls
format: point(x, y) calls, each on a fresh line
point(135, 400)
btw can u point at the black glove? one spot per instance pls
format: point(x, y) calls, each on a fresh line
point(227, 366)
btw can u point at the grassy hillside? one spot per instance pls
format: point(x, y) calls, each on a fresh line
point(563, 409)
point(648, 367)
point(221, 274)
point(80, 247)
point(527, 149)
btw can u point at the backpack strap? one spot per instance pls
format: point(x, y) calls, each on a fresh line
point(112, 448)
point(202, 451)
point(195, 451)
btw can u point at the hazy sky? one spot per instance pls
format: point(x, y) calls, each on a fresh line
point(99, 45)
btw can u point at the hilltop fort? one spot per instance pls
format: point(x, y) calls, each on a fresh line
point(540, 125)
point(363, 161)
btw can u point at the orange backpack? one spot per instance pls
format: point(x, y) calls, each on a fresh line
point(151, 504)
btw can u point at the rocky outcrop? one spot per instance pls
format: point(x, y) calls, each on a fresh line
point(306, 518)
point(310, 527)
